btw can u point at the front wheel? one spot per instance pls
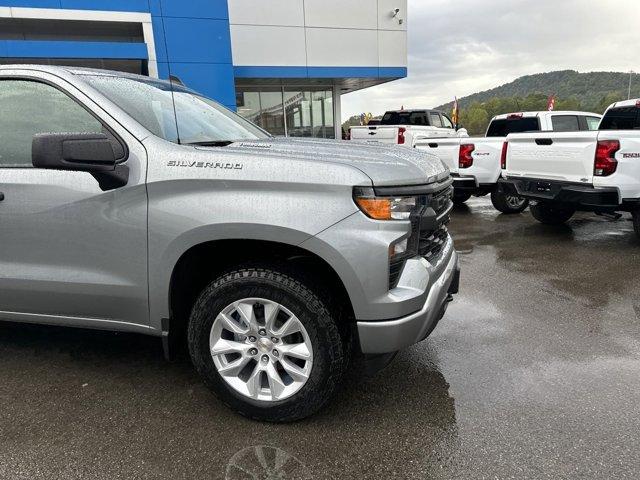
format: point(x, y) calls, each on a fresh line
point(551, 214)
point(507, 203)
point(266, 344)
point(636, 221)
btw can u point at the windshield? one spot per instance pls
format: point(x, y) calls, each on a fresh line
point(505, 126)
point(404, 118)
point(196, 119)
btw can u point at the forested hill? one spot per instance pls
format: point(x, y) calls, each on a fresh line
point(592, 91)
point(588, 88)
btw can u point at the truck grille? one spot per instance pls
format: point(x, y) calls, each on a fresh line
point(432, 243)
point(429, 244)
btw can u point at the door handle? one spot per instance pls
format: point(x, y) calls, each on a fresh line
point(1, 196)
point(544, 141)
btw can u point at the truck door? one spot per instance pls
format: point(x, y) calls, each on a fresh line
point(72, 254)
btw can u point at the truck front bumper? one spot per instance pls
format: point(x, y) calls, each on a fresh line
point(579, 196)
point(385, 336)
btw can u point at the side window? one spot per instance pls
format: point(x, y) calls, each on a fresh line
point(565, 123)
point(446, 122)
point(30, 107)
point(434, 119)
point(592, 123)
point(417, 119)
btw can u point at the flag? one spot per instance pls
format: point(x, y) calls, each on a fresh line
point(455, 113)
point(551, 103)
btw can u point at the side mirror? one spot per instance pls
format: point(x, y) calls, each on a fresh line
point(80, 152)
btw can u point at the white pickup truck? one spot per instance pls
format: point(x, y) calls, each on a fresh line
point(475, 162)
point(562, 173)
point(404, 127)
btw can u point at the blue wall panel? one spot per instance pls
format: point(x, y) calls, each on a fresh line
point(158, 37)
point(319, 72)
point(31, 3)
point(195, 8)
point(163, 70)
point(197, 40)
point(208, 78)
point(111, 5)
point(270, 72)
point(154, 7)
point(53, 49)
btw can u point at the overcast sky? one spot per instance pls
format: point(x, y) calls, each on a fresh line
point(459, 47)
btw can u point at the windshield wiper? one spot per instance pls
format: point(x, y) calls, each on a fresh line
point(210, 143)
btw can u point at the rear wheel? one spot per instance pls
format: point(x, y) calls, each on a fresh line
point(507, 203)
point(551, 214)
point(636, 221)
point(460, 197)
point(266, 345)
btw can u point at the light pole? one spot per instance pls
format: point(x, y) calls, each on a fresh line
point(631, 72)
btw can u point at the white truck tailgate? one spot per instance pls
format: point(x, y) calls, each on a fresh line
point(567, 156)
point(446, 149)
point(375, 134)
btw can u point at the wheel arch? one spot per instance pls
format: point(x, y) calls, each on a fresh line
point(198, 265)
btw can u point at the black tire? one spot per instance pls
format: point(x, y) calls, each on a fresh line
point(460, 197)
point(330, 352)
point(508, 203)
point(551, 214)
point(635, 215)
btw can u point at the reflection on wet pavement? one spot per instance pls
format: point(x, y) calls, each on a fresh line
point(533, 373)
point(263, 462)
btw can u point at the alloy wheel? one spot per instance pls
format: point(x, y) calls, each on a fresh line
point(261, 349)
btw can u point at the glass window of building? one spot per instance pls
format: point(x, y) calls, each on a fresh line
point(296, 112)
point(263, 107)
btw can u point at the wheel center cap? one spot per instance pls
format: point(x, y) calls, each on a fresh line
point(265, 345)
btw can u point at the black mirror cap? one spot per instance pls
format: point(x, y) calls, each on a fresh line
point(87, 152)
point(80, 152)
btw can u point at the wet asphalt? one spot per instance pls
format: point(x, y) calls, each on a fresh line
point(534, 372)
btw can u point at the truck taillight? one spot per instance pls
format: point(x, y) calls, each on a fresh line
point(465, 160)
point(605, 163)
point(503, 156)
point(401, 131)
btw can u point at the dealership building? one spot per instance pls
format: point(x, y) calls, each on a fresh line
point(283, 64)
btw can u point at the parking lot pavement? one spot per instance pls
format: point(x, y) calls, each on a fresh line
point(533, 373)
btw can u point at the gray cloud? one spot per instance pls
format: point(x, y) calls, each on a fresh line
point(464, 46)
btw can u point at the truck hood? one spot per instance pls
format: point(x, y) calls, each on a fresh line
point(385, 165)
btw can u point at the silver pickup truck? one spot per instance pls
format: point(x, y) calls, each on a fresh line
point(131, 204)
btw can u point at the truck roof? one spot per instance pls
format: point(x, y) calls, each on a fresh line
point(633, 102)
point(414, 110)
point(541, 112)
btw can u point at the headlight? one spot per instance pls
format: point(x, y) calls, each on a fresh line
point(384, 208)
